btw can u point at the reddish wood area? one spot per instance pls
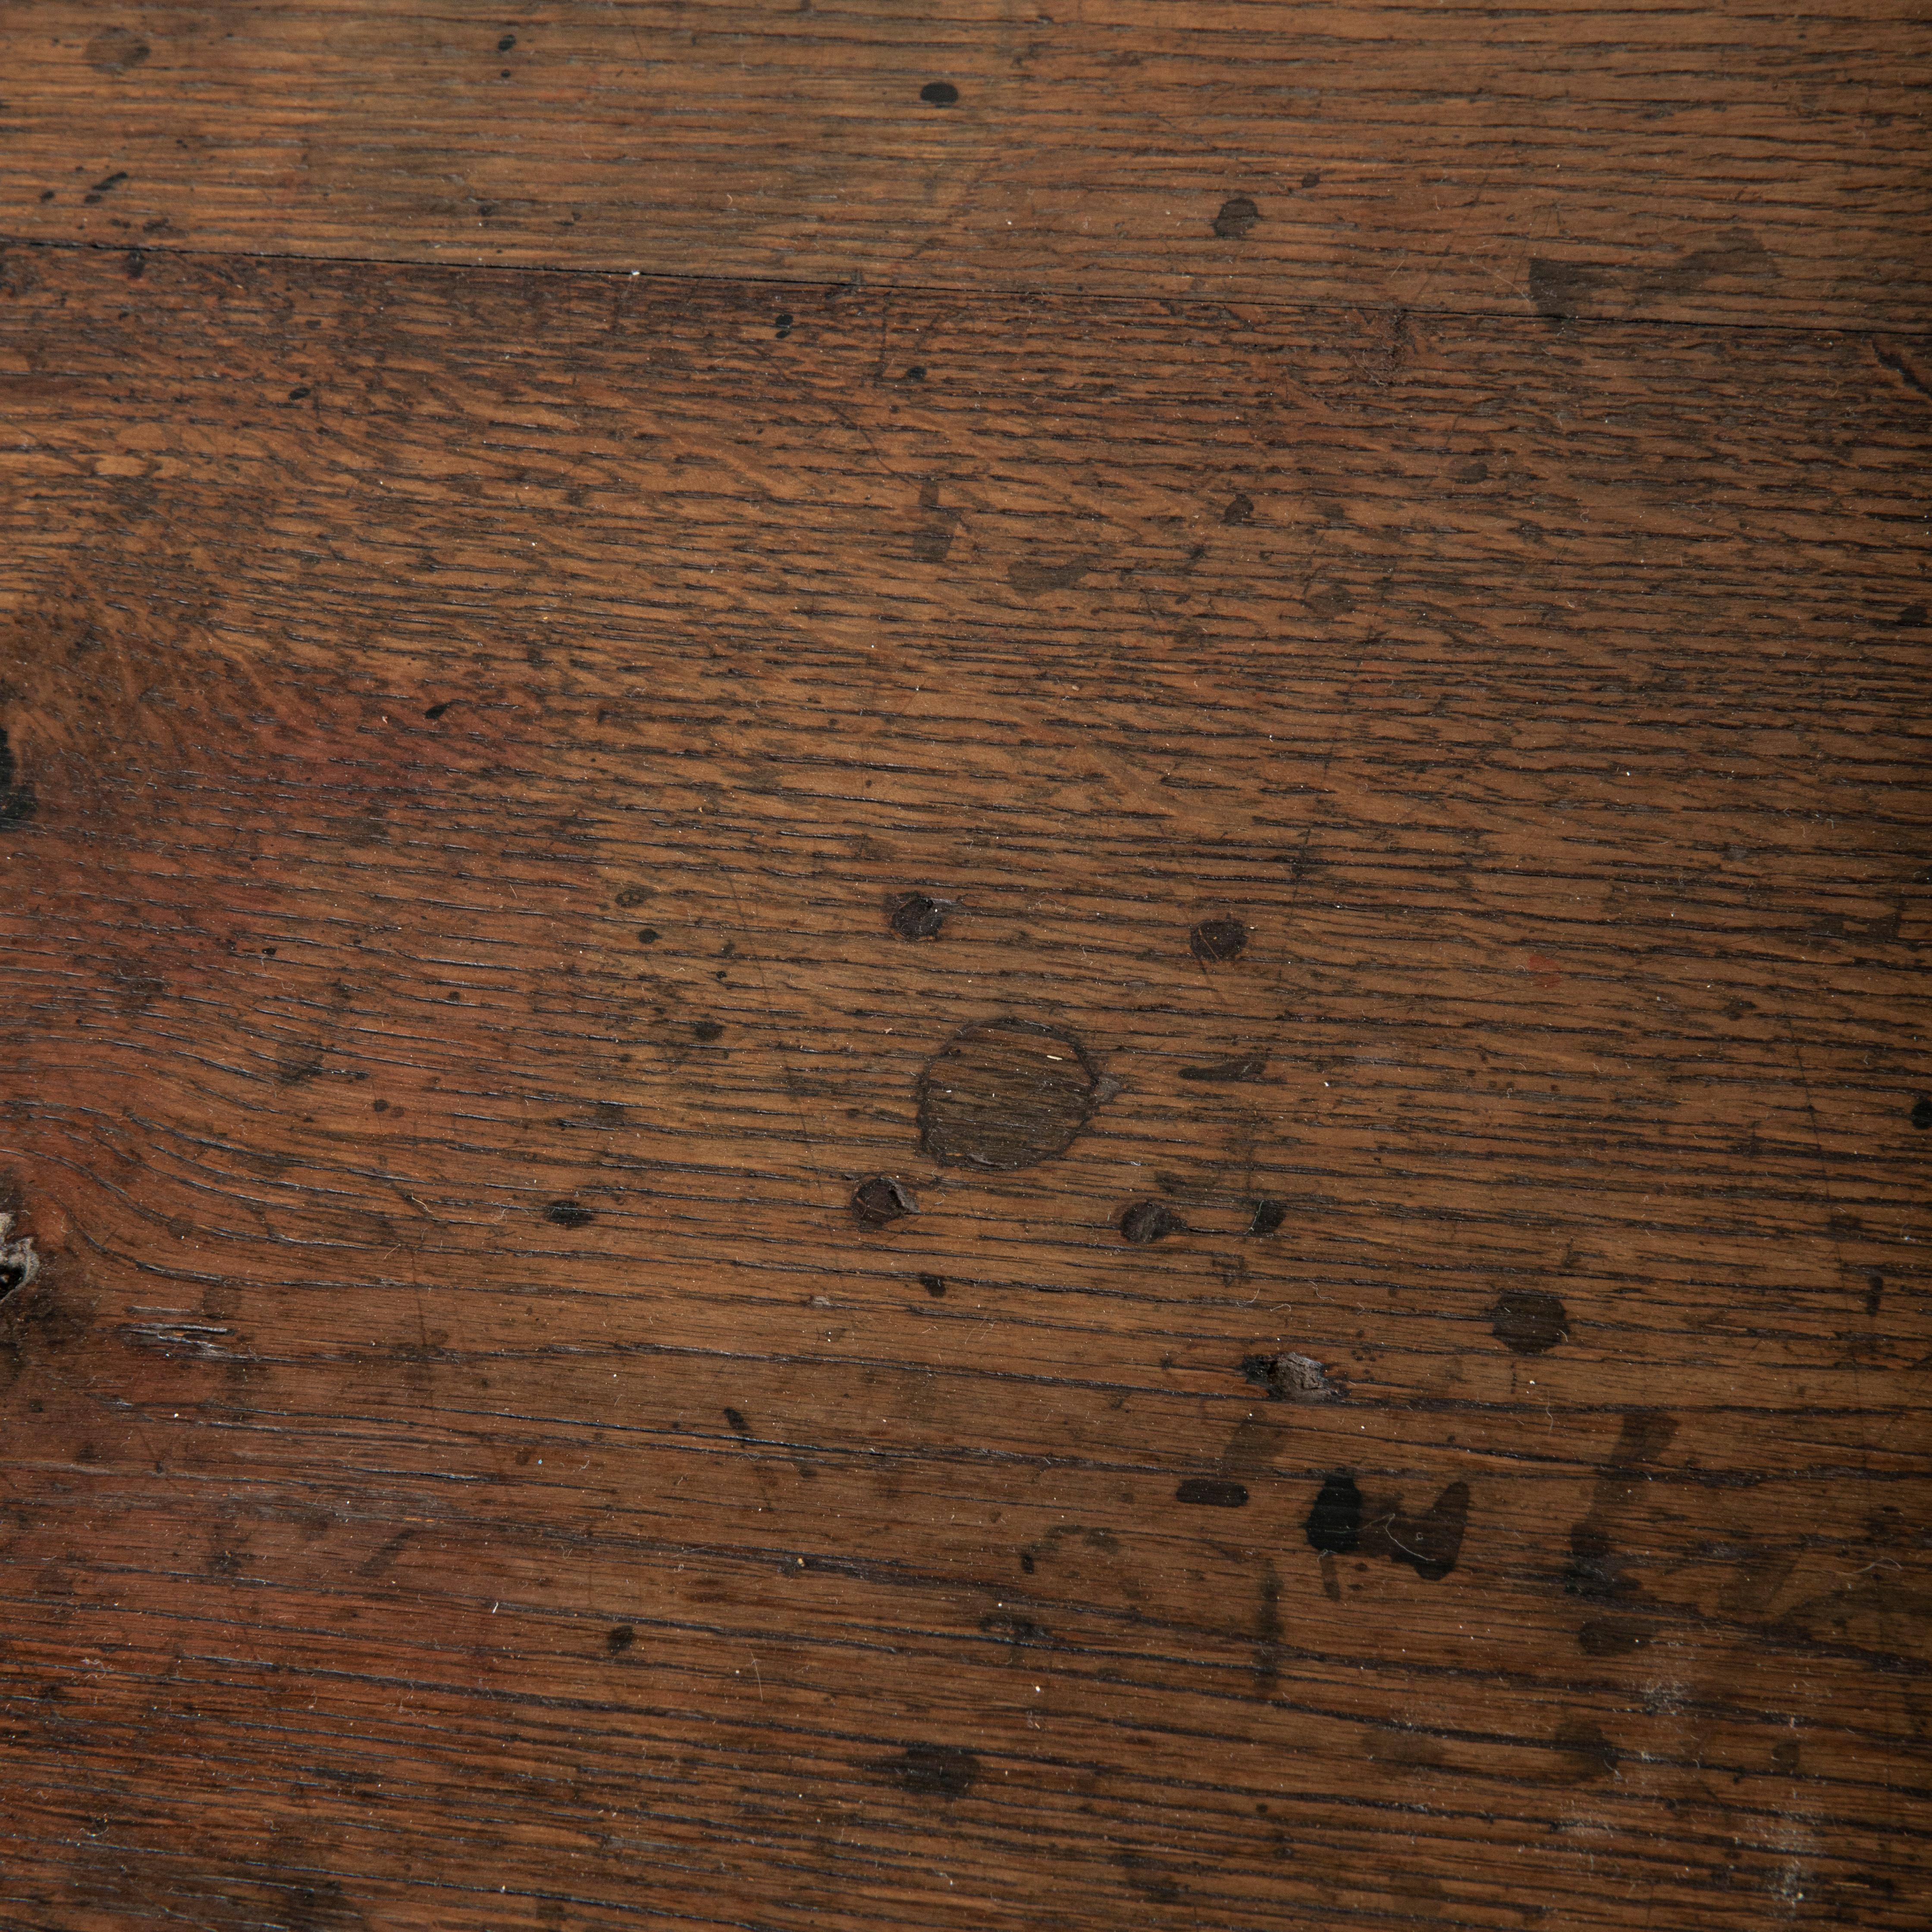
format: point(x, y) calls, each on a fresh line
point(918, 1109)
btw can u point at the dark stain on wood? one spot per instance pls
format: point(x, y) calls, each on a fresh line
point(931, 1770)
point(1226, 1072)
point(1567, 289)
point(1212, 1491)
point(1598, 1572)
point(16, 795)
point(1234, 221)
point(1288, 1377)
point(1334, 1521)
point(1141, 1221)
point(914, 915)
point(1529, 1320)
point(1031, 578)
point(1216, 942)
point(1005, 1094)
point(882, 1199)
point(1430, 1543)
point(116, 50)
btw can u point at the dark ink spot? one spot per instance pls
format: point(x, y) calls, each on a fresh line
point(933, 1285)
point(504, 46)
point(882, 1199)
point(569, 1214)
point(1029, 578)
point(1611, 1637)
point(914, 916)
point(1921, 1112)
point(939, 94)
point(1874, 1289)
point(293, 1068)
point(1595, 1572)
point(17, 801)
point(299, 391)
point(707, 1031)
point(1216, 941)
point(1529, 1322)
point(1643, 1436)
point(435, 711)
point(931, 1771)
point(784, 325)
point(1334, 1524)
point(109, 183)
point(1147, 1221)
point(1026, 1562)
point(1236, 219)
point(648, 935)
point(1269, 1215)
point(931, 543)
point(1430, 1544)
point(1005, 1094)
point(739, 1426)
point(1290, 1378)
point(1215, 1492)
point(1223, 1073)
point(1890, 359)
point(137, 264)
point(1312, 179)
point(115, 49)
point(1405, 1749)
point(1592, 1754)
point(916, 373)
point(1239, 510)
point(1557, 289)
point(620, 1640)
point(634, 896)
point(1912, 618)
point(1560, 290)
point(1268, 1633)
point(47, 194)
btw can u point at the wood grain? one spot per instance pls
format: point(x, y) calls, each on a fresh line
point(1717, 164)
point(469, 1464)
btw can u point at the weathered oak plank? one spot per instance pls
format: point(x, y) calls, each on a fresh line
point(468, 1464)
point(1711, 164)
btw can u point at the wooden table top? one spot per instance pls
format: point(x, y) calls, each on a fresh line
point(963, 972)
